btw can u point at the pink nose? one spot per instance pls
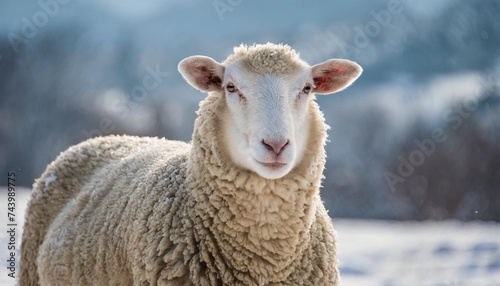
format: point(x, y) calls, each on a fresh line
point(277, 146)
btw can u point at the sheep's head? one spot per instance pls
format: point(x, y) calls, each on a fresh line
point(267, 90)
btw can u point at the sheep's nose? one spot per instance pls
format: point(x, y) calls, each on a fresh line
point(275, 145)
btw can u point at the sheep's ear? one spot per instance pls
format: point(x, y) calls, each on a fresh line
point(334, 75)
point(202, 73)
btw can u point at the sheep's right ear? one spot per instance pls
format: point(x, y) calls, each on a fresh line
point(202, 73)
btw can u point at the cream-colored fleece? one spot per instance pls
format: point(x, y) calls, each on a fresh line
point(123, 210)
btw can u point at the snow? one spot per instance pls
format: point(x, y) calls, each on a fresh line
point(377, 253)
point(418, 253)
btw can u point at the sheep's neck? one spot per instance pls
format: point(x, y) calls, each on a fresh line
point(256, 225)
point(272, 216)
point(252, 227)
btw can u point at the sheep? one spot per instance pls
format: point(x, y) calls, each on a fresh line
point(239, 205)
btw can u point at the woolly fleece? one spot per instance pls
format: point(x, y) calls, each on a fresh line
point(267, 58)
point(122, 210)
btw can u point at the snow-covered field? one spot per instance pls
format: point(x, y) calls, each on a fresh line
point(418, 254)
point(377, 252)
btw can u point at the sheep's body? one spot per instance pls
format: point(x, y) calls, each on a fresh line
point(108, 217)
point(123, 210)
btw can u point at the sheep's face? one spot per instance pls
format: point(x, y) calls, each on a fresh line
point(267, 126)
point(267, 123)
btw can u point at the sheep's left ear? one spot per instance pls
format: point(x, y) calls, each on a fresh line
point(334, 75)
point(202, 72)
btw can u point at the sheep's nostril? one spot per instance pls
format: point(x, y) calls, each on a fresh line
point(275, 145)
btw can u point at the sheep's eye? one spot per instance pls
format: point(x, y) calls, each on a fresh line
point(307, 89)
point(230, 87)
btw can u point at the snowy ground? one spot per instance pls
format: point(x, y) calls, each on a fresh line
point(418, 254)
point(377, 253)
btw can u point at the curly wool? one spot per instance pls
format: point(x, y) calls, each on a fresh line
point(145, 211)
point(267, 58)
point(261, 231)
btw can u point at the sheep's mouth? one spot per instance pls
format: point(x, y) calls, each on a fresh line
point(274, 165)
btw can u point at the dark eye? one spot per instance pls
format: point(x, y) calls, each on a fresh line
point(230, 87)
point(307, 89)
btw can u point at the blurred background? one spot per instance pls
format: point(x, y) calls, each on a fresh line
point(417, 137)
